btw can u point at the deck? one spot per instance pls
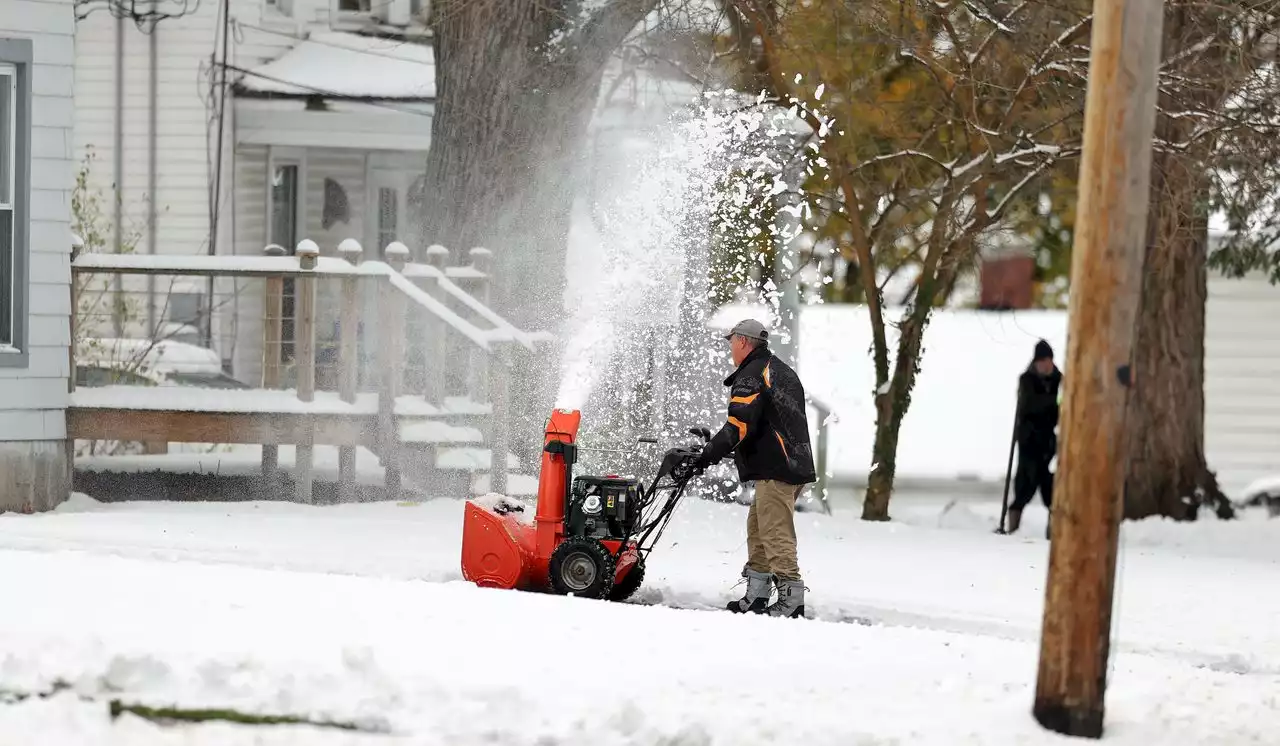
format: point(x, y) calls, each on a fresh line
point(437, 313)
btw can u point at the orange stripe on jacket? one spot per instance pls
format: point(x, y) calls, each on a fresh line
point(767, 382)
point(782, 445)
point(742, 427)
point(743, 399)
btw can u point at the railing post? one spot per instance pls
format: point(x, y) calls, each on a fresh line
point(393, 309)
point(308, 253)
point(477, 380)
point(500, 403)
point(434, 349)
point(77, 245)
point(272, 336)
point(348, 359)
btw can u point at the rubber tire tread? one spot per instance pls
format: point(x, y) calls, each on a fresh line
point(630, 584)
point(598, 552)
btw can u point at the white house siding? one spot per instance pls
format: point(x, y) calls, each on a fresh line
point(250, 230)
point(185, 136)
point(182, 172)
point(34, 468)
point(1242, 380)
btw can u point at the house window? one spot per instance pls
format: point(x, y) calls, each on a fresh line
point(284, 232)
point(185, 308)
point(390, 12)
point(15, 124)
point(8, 154)
point(386, 217)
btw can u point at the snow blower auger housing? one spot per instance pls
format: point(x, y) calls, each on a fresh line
point(590, 536)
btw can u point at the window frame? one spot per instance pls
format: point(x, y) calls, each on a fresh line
point(16, 57)
point(384, 234)
point(377, 14)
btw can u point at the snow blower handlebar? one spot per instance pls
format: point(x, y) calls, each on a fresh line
point(677, 467)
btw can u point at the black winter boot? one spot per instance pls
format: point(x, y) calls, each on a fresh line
point(1015, 520)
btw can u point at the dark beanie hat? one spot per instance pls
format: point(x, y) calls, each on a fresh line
point(1043, 350)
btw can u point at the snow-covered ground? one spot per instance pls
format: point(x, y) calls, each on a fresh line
point(925, 631)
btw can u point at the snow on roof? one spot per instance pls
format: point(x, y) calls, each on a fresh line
point(344, 65)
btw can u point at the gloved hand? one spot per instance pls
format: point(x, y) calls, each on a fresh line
point(701, 463)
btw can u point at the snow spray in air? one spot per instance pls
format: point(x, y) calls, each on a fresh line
point(639, 357)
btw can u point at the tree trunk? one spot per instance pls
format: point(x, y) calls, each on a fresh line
point(1168, 474)
point(884, 452)
point(891, 408)
point(516, 86)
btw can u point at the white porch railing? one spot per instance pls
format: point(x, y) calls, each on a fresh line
point(428, 286)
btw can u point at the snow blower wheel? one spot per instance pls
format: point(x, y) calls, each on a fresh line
point(629, 584)
point(582, 566)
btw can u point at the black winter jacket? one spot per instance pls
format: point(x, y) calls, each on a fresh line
point(767, 428)
point(1038, 411)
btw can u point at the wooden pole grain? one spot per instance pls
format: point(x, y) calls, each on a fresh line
point(1106, 283)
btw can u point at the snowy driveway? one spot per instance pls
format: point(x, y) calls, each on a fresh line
point(356, 613)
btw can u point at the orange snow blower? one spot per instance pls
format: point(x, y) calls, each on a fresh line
point(590, 536)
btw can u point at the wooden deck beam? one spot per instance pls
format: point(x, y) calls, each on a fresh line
point(86, 423)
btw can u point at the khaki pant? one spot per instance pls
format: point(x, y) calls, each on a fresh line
point(771, 529)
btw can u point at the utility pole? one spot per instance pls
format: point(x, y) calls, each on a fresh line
point(1106, 282)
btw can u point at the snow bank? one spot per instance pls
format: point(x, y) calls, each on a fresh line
point(961, 416)
point(959, 424)
point(1262, 487)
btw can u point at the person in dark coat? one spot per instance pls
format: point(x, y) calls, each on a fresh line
point(767, 431)
point(1037, 421)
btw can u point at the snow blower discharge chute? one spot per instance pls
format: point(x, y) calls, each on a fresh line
point(590, 535)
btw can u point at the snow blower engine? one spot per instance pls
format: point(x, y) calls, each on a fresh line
point(590, 535)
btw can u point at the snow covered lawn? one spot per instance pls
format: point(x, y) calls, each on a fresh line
point(356, 613)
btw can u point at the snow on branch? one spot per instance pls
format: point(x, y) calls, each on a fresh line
point(944, 167)
point(1014, 155)
point(985, 15)
point(996, 212)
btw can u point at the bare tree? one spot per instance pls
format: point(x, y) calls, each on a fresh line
point(947, 115)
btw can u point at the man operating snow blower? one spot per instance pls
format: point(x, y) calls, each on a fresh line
point(768, 432)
